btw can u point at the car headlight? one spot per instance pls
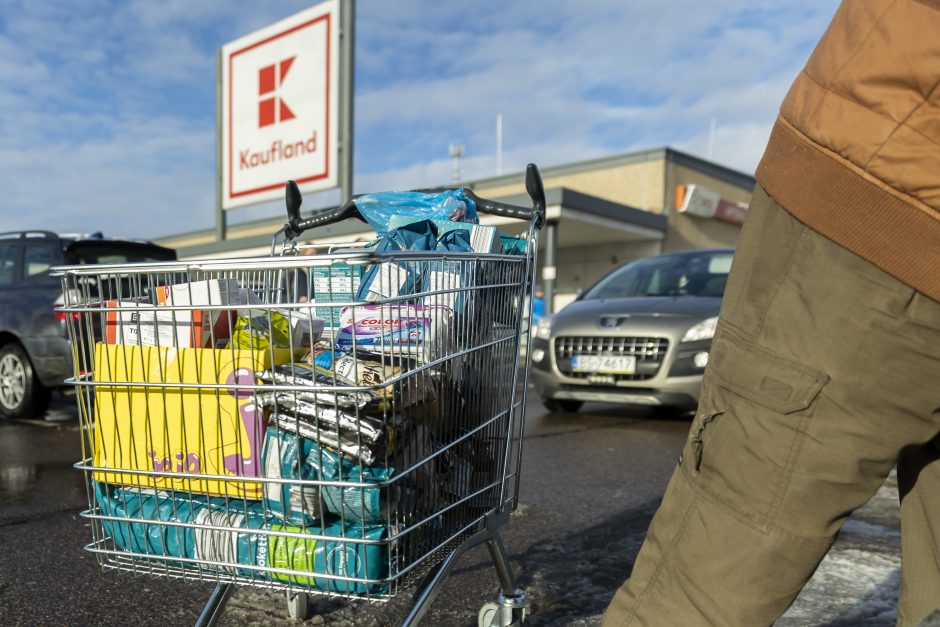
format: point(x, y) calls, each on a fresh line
point(543, 329)
point(704, 330)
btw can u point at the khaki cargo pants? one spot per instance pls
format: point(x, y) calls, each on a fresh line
point(824, 374)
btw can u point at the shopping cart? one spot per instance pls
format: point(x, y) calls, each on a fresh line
point(343, 423)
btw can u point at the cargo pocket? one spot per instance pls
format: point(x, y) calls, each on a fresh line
point(749, 429)
point(707, 412)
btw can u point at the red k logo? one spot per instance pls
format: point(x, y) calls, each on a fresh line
point(271, 109)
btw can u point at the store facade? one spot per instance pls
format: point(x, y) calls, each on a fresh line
point(600, 213)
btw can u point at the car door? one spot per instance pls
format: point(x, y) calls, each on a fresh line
point(11, 313)
point(35, 293)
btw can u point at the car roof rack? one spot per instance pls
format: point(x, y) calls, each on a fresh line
point(82, 236)
point(71, 237)
point(29, 233)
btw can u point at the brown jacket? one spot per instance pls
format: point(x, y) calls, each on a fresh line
point(855, 152)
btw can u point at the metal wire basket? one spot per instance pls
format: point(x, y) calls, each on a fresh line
point(271, 422)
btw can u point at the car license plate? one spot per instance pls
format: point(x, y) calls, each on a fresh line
point(605, 364)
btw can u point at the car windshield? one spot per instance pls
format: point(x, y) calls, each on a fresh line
point(697, 274)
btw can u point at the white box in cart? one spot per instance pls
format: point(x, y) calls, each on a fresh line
point(392, 280)
point(143, 324)
point(210, 292)
point(387, 282)
point(305, 328)
point(207, 293)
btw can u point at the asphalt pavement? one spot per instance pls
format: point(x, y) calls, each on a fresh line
point(590, 485)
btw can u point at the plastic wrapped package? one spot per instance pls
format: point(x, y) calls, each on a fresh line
point(346, 441)
point(390, 280)
point(323, 387)
point(285, 457)
point(289, 456)
point(365, 504)
point(200, 537)
point(454, 205)
point(258, 330)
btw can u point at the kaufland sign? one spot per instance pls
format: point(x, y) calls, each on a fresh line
point(280, 104)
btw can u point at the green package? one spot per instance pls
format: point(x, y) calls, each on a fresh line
point(257, 332)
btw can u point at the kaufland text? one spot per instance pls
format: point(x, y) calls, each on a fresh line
point(279, 151)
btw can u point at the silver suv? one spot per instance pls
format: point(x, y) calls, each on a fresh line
point(35, 354)
point(641, 335)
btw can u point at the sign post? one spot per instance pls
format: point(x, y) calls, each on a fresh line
point(347, 74)
point(279, 109)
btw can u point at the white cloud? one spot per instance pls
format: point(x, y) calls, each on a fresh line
point(107, 108)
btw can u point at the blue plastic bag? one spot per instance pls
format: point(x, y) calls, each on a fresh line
point(420, 235)
point(452, 204)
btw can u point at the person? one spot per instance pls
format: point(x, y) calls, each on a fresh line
point(825, 367)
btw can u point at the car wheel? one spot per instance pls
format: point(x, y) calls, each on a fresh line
point(559, 406)
point(21, 395)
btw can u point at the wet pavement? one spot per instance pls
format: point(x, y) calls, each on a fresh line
point(45, 576)
point(590, 485)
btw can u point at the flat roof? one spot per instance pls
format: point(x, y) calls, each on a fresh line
point(554, 196)
point(663, 153)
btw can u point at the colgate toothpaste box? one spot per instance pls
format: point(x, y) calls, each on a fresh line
point(421, 331)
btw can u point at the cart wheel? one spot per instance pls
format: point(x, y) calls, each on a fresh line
point(297, 605)
point(501, 615)
point(488, 614)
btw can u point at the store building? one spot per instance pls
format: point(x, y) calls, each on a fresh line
point(600, 213)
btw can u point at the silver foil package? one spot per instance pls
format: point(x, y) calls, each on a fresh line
point(323, 381)
point(346, 443)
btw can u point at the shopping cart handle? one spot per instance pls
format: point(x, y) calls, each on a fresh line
point(293, 199)
point(295, 226)
point(533, 184)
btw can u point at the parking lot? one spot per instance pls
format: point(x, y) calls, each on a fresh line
point(591, 483)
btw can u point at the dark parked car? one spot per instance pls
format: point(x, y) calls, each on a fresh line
point(35, 354)
point(641, 335)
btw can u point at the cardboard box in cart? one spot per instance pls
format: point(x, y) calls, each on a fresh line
point(174, 430)
point(212, 292)
point(142, 324)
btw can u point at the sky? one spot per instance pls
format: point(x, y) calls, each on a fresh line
point(107, 108)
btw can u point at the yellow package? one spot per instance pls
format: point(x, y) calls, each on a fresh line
point(163, 425)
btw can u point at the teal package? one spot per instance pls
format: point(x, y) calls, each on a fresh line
point(284, 456)
point(141, 538)
point(310, 557)
point(196, 540)
point(335, 283)
point(513, 245)
point(352, 503)
point(288, 456)
point(199, 540)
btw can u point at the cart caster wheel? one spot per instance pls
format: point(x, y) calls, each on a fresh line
point(509, 612)
point(297, 605)
point(488, 614)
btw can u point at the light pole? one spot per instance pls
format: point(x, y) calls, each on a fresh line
point(456, 152)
